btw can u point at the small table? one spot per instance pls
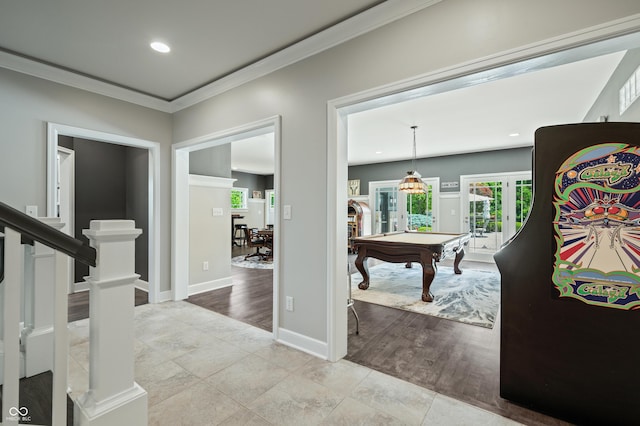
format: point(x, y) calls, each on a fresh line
point(426, 248)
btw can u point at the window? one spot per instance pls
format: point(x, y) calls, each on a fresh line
point(630, 91)
point(239, 198)
point(272, 200)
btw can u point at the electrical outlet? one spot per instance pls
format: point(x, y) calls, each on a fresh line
point(205, 266)
point(289, 303)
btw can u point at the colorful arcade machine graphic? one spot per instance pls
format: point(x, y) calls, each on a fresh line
point(597, 226)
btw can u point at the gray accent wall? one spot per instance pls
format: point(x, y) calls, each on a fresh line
point(214, 161)
point(448, 169)
point(252, 182)
point(111, 182)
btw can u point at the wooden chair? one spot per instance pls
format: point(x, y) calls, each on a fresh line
point(254, 240)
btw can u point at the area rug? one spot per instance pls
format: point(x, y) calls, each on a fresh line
point(252, 262)
point(472, 297)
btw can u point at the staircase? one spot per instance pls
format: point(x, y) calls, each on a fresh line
point(34, 346)
point(35, 393)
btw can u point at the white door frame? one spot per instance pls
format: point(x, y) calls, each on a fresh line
point(66, 202)
point(180, 202)
point(54, 130)
point(339, 109)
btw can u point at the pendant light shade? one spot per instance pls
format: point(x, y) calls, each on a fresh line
point(412, 182)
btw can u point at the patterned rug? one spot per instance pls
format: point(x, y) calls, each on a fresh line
point(252, 262)
point(472, 297)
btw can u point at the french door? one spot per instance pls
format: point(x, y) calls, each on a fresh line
point(494, 208)
point(393, 210)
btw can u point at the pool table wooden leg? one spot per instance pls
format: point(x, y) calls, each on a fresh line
point(457, 260)
point(428, 274)
point(361, 265)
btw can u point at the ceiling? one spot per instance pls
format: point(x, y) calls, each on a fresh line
point(109, 40)
point(104, 47)
point(493, 115)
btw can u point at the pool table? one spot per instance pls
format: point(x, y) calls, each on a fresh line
point(426, 248)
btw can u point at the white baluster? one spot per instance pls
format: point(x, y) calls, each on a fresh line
point(13, 277)
point(39, 290)
point(61, 341)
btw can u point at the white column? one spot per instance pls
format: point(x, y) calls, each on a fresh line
point(113, 398)
point(37, 334)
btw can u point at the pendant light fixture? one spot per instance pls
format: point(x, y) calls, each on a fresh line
point(412, 182)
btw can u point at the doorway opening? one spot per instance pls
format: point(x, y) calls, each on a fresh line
point(592, 44)
point(181, 202)
point(60, 199)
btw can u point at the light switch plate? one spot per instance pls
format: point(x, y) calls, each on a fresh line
point(286, 214)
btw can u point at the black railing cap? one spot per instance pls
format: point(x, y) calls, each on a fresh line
point(33, 229)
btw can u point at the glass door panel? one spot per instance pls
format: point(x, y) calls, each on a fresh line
point(496, 208)
point(385, 209)
point(420, 209)
point(524, 195)
point(484, 218)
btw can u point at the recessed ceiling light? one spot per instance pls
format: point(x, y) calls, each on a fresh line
point(161, 47)
point(378, 152)
point(513, 135)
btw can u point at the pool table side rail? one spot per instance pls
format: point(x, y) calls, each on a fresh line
point(402, 251)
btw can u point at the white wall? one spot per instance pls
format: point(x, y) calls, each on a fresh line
point(209, 233)
point(450, 33)
point(254, 217)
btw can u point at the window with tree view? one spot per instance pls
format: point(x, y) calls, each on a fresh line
point(523, 201)
point(239, 198)
point(419, 211)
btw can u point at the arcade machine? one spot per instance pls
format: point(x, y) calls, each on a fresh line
point(570, 304)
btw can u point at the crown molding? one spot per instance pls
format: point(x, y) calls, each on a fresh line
point(369, 20)
point(68, 78)
point(378, 16)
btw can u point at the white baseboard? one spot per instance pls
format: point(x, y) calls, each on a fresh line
point(209, 285)
point(165, 296)
point(303, 343)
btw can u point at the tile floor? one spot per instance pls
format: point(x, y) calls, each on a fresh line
point(202, 368)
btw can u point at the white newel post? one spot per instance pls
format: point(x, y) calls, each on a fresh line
point(113, 398)
point(39, 292)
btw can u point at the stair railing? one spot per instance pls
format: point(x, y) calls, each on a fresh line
point(113, 396)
